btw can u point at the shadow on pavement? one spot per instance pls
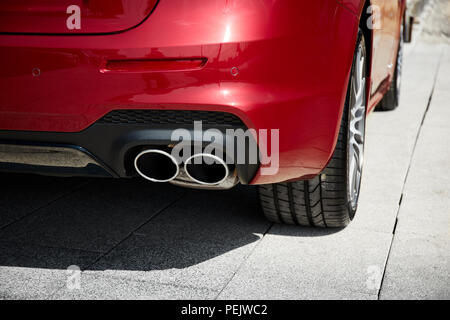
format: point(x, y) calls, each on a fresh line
point(127, 224)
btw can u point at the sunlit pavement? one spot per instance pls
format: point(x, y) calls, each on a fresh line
point(134, 239)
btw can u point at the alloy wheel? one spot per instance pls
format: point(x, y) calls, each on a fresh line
point(356, 127)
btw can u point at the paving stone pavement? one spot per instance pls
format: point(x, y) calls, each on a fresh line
point(137, 240)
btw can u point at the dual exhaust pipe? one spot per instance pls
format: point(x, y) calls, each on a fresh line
point(202, 168)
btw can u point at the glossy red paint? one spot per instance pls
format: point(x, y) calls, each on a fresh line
point(354, 5)
point(50, 16)
point(294, 59)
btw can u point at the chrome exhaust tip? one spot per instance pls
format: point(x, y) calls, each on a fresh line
point(156, 165)
point(210, 169)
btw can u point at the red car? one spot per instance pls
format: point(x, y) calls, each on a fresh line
point(118, 87)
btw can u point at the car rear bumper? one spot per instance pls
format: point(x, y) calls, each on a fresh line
point(61, 160)
point(264, 65)
point(108, 147)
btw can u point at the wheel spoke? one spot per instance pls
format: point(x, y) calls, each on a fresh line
point(356, 127)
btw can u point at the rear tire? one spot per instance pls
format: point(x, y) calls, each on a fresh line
point(408, 26)
point(331, 198)
point(391, 99)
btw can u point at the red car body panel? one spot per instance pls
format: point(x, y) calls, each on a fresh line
point(293, 57)
point(50, 16)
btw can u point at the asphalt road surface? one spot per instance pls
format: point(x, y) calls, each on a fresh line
point(137, 240)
